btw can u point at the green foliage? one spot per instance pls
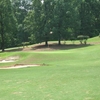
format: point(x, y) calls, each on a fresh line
point(25, 44)
point(32, 39)
point(7, 22)
point(21, 9)
point(22, 19)
point(82, 38)
point(88, 16)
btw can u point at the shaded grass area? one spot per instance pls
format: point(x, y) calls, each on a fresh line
point(53, 45)
point(66, 75)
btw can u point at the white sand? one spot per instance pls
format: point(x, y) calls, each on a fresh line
point(6, 61)
point(19, 66)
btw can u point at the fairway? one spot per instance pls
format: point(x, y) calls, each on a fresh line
point(72, 74)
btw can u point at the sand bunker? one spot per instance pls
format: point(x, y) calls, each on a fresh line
point(19, 66)
point(10, 59)
point(13, 59)
point(6, 61)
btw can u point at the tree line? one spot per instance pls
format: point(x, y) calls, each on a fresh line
point(35, 21)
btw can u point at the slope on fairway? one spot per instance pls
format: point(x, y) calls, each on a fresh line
point(66, 75)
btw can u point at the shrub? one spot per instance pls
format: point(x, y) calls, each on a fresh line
point(82, 38)
point(73, 39)
point(25, 44)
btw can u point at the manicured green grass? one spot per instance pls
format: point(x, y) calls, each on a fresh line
point(95, 39)
point(66, 75)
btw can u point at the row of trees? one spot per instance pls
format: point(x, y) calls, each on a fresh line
point(43, 20)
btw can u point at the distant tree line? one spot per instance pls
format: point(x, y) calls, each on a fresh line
point(36, 21)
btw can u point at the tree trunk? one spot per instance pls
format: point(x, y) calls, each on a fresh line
point(2, 40)
point(59, 42)
point(59, 38)
point(2, 36)
point(46, 40)
point(46, 43)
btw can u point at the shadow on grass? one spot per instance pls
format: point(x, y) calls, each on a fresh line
point(50, 47)
point(13, 50)
point(59, 47)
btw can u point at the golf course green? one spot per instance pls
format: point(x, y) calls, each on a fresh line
point(62, 74)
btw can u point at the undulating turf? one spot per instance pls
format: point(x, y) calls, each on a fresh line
point(95, 39)
point(64, 75)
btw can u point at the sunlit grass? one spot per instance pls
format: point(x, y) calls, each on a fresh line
point(64, 75)
point(95, 39)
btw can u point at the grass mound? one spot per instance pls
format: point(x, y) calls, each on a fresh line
point(94, 40)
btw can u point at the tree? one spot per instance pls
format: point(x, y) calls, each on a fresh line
point(89, 16)
point(47, 19)
point(6, 21)
point(29, 26)
point(65, 19)
point(58, 19)
point(95, 7)
point(37, 20)
point(21, 9)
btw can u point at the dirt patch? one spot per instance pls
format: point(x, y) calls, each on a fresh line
point(53, 47)
point(19, 66)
